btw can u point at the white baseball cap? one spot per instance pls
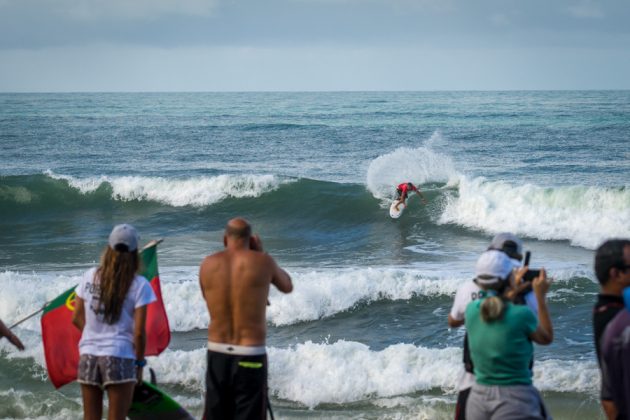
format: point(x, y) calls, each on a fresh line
point(492, 267)
point(124, 235)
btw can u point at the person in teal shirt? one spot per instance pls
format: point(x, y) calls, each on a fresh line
point(500, 337)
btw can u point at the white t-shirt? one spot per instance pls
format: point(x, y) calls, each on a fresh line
point(469, 291)
point(100, 338)
point(465, 294)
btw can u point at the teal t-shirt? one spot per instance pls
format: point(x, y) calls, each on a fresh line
point(501, 350)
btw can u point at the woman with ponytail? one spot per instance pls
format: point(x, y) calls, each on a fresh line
point(500, 336)
point(110, 310)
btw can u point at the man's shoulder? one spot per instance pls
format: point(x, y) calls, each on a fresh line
point(217, 256)
point(617, 332)
point(242, 256)
point(618, 324)
point(607, 306)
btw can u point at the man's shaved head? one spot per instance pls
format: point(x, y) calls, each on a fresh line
point(238, 228)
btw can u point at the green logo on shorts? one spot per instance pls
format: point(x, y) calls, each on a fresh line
point(250, 365)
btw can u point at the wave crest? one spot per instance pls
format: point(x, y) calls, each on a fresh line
point(585, 216)
point(198, 191)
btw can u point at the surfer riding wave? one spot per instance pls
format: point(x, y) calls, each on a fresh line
point(402, 192)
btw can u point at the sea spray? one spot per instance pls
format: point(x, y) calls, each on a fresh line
point(418, 165)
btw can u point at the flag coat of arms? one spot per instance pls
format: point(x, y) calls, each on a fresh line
point(61, 337)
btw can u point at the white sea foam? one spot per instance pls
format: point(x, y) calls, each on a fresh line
point(585, 216)
point(24, 293)
point(419, 165)
point(317, 294)
point(345, 371)
point(39, 406)
point(199, 191)
point(567, 376)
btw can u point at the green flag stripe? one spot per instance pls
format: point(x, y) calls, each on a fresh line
point(149, 263)
point(59, 300)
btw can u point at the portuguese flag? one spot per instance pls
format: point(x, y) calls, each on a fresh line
point(61, 337)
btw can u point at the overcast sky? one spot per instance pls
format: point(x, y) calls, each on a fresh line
point(306, 45)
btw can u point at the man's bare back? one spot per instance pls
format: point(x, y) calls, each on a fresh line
point(235, 284)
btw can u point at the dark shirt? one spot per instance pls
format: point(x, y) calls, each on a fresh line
point(615, 353)
point(605, 309)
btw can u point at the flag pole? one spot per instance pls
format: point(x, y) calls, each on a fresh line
point(151, 243)
point(154, 242)
point(30, 316)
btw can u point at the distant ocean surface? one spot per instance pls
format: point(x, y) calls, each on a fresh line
point(364, 334)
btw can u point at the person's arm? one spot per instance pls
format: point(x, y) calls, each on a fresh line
point(279, 277)
point(139, 338)
point(606, 390)
point(610, 409)
point(456, 315)
point(78, 316)
point(544, 332)
point(454, 323)
point(518, 284)
point(424, 200)
point(5, 332)
point(203, 292)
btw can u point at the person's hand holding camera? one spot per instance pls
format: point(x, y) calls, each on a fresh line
point(255, 244)
point(541, 284)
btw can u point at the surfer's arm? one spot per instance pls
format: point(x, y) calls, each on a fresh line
point(5, 332)
point(78, 316)
point(424, 200)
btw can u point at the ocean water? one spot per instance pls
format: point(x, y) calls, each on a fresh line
point(364, 333)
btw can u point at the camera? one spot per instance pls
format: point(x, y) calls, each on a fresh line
point(529, 275)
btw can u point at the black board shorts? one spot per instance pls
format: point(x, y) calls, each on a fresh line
point(236, 386)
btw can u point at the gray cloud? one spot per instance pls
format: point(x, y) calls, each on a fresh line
point(365, 39)
point(93, 10)
point(589, 9)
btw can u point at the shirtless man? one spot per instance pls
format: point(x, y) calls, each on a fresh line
point(235, 284)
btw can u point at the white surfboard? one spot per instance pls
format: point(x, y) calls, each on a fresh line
point(395, 214)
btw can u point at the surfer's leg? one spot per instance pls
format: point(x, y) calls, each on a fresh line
point(92, 402)
point(120, 396)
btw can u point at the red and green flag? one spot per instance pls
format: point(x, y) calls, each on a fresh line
point(61, 337)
